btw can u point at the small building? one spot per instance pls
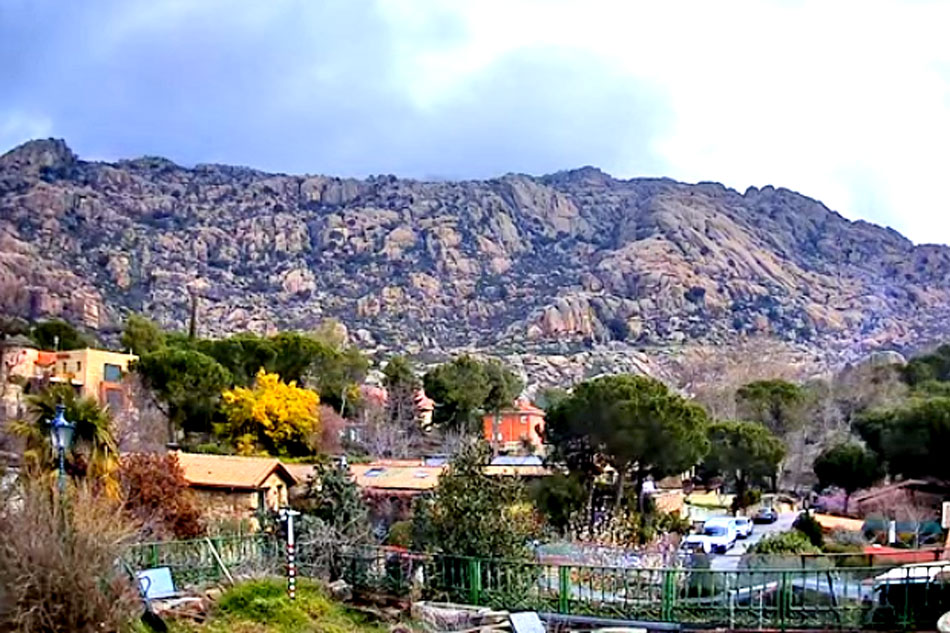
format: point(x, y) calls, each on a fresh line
point(390, 486)
point(93, 373)
point(909, 500)
point(515, 427)
point(522, 466)
point(232, 487)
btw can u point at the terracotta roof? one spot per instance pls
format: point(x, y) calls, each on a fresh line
point(396, 475)
point(229, 471)
point(830, 522)
point(883, 490)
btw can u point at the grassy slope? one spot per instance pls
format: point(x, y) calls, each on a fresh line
point(262, 606)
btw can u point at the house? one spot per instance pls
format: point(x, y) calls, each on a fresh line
point(390, 487)
point(910, 500)
point(515, 427)
point(93, 373)
point(523, 466)
point(231, 487)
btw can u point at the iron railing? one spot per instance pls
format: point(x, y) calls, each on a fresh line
point(822, 594)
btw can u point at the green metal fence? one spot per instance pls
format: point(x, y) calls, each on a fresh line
point(194, 562)
point(819, 596)
point(815, 598)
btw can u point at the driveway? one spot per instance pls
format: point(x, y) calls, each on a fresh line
point(730, 560)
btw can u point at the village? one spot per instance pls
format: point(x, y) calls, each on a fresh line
point(401, 481)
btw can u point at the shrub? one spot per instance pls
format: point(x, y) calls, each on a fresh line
point(57, 562)
point(400, 534)
point(791, 542)
point(809, 526)
point(155, 494)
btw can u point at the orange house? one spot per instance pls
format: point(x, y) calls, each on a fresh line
point(522, 422)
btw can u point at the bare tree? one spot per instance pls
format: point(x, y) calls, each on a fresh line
point(140, 426)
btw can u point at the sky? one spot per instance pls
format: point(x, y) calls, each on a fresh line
point(846, 102)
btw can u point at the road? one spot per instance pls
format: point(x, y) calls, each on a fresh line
point(730, 561)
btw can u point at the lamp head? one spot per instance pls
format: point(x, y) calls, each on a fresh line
point(61, 430)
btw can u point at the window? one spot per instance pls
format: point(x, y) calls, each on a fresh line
point(114, 400)
point(78, 366)
point(374, 472)
point(111, 373)
point(524, 419)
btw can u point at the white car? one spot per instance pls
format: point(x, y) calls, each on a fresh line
point(744, 527)
point(721, 534)
point(696, 544)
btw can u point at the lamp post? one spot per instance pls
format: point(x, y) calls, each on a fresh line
point(61, 435)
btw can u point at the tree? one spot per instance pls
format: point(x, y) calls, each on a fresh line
point(141, 335)
point(401, 385)
point(295, 353)
point(560, 499)
point(550, 397)
point(745, 451)
point(156, 495)
point(911, 438)
point(187, 385)
point(93, 454)
point(927, 367)
point(333, 497)
point(633, 423)
point(472, 514)
point(56, 334)
point(465, 387)
point(275, 417)
point(243, 355)
point(774, 403)
point(848, 466)
point(336, 373)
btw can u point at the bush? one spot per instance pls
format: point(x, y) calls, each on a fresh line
point(809, 526)
point(791, 542)
point(400, 534)
point(155, 494)
point(57, 562)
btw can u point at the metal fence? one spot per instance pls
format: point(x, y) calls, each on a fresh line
point(816, 596)
point(822, 597)
point(197, 562)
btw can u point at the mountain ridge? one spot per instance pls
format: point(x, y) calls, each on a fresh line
point(572, 258)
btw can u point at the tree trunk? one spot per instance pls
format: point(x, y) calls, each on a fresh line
point(621, 472)
point(639, 490)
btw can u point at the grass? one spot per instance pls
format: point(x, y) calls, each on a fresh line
point(262, 606)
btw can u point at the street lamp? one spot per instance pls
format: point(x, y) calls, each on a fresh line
point(61, 436)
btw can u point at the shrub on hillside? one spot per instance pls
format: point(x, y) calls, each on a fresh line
point(58, 557)
point(156, 495)
point(791, 542)
point(809, 526)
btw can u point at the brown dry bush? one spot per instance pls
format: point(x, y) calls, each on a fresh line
point(156, 495)
point(59, 568)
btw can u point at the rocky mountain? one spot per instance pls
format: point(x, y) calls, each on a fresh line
point(564, 261)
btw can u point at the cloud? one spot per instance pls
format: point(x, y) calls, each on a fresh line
point(847, 102)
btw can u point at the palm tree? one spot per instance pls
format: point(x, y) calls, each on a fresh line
point(93, 455)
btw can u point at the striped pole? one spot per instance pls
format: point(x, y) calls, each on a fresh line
point(288, 515)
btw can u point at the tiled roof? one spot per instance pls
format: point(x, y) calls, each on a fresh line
point(830, 522)
point(396, 475)
point(229, 471)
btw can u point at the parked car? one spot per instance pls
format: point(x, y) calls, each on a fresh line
point(696, 544)
point(744, 527)
point(765, 515)
point(721, 533)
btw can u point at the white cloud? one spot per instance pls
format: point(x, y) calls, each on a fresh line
point(848, 102)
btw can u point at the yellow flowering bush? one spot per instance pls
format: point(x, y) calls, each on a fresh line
point(272, 417)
